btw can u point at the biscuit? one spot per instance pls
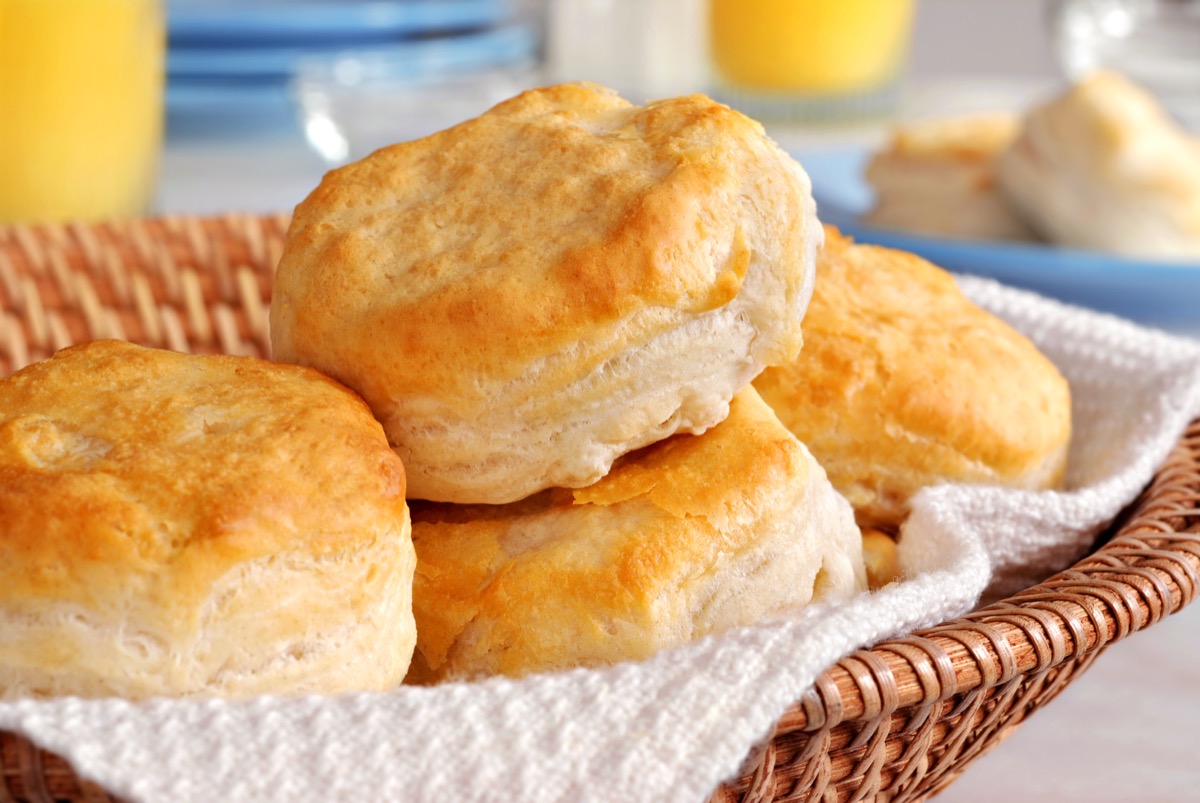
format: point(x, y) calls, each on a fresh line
point(690, 536)
point(904, 383)
point(174, 524)
point(1103, 167)
point(938, 177)
point(526, 296)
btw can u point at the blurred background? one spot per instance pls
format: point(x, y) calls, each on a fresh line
point(349, 76)
point(268, 94)
point(302, 85)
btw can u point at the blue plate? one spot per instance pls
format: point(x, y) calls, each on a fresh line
point(203, 97)
point(205, 109)
point(215, 22)
point(1162, 294)
point(494, 46)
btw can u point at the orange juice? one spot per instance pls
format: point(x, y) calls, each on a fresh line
point(810, 46)
point(80, 107)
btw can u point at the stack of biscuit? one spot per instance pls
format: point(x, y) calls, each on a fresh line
point(556, 310)
point(531, 439)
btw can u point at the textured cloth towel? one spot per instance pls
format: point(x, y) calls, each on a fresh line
point(673, 727)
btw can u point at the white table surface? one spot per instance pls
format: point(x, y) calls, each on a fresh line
point(1124, 731)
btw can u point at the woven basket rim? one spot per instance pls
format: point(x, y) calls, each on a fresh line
point(1105, 591)
point(1145, 567)
point(202, 284)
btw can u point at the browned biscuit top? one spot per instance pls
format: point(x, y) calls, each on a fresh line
point(904, 383)
point(130, 473)
point(542, 225)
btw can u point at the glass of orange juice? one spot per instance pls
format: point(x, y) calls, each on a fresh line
point(809, 59)
point(81, 112)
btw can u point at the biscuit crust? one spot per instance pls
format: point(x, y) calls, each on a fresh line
point(690, 536)
point(526, 296)
point(174, 524)
point(904, 383)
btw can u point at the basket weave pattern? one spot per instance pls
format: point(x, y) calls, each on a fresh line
point(897, 722)
point(187, 284)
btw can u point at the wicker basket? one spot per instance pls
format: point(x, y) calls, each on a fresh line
point(897, 722)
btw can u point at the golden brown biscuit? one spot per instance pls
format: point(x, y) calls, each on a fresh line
point(904, 383)
point(528, 295)
point(178, 525)
point(1104, 167)
point(938, 177)
point(687, 537)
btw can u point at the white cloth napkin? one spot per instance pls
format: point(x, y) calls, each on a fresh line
point(673, 727)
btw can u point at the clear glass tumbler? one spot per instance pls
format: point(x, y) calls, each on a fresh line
point(1154, 42)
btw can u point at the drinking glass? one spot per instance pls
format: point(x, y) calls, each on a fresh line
point(809, 59)
point(1156, 43)
point(81, 111)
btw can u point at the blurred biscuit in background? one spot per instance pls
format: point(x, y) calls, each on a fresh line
point(938, 177)
point(1103, 167)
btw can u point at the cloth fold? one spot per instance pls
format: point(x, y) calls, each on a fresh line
point(673, 727)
